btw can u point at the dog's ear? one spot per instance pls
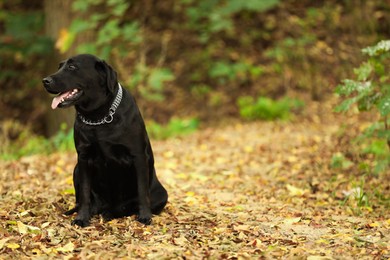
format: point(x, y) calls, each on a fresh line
point(108, 73)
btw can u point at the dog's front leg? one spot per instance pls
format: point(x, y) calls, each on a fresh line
point(84, 195)
point(142, 169)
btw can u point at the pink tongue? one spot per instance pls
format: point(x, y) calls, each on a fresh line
point(57, 100)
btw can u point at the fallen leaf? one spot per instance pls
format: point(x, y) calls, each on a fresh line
point(294, 191)
point(69, 247)
point(22, 228)
point(13, 245)
point(242, 228)
point(290, 221)
point(180, 241)
point(3, 241)
point(374, 224)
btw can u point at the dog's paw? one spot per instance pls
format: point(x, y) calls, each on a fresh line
point(80, 222)
point(71, 211)
point(146, 220)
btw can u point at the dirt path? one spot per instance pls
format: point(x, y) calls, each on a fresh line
point(254, 190)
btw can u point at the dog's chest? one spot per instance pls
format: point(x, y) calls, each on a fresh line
point(104, 148)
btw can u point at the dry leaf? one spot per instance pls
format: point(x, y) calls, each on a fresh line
point(69, 247)
point(294, 191)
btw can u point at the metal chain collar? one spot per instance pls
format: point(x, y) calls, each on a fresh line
point(108, 118)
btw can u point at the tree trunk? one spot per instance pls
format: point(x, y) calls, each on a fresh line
point(58, 17)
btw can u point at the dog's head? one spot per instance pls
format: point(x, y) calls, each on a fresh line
point(83, 80)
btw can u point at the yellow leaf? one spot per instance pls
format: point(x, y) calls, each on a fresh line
point(292, 159)
point(191, 200)
point(204, 147)
point(70, 191)
point(24, 213)
point(322, 241)
point(59, 169)
point(66, 248)
point(220, 160)
point(36, 251)
point(248, 149)
point(190, 193)
point(169, 154)
point(113, 222)
point(375, 224)
point(65, 40)
point(241, 236)
point(182, 176)
point(218, 231)
point(13, 245)
point(294, 191)
point(171, 165)
point(290, 221)
point(22, 228)
point(69, 180)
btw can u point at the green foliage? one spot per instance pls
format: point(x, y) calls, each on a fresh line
point(357, 199)
point(153, 88)
point(116, 35)
point(114, 32)
point(371, 92)
point(25, 147)
point(23, 50)
point(20, 41)
point(267, 109)
point(175, 127)
point(63, 140)
point(229, 72)
point(221, 47)
point(21, 34)
point(340, 161)
point(301, 57)
point(372, 87)
point(212, 16)
point(27, 144)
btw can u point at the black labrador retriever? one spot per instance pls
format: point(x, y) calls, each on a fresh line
point(114, 175)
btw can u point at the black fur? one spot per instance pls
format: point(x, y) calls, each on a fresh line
point(115, 174)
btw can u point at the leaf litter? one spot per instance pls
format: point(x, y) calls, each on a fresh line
point(259, 190)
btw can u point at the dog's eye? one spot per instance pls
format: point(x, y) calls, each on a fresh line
point(72, 67)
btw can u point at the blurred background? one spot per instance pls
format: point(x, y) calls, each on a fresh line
point(186, 61)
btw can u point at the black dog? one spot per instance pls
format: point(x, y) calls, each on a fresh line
point(115, 174)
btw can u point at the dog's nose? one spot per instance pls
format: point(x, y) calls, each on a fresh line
point(47, 80)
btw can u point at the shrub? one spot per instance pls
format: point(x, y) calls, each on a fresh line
point(371, 92)
point(267, 109)
point(19, 141)
point(175, 127)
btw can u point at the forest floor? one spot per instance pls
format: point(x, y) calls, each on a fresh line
point(259, 190)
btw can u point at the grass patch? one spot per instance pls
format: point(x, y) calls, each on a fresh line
point(264, 108)
point(175, 127)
